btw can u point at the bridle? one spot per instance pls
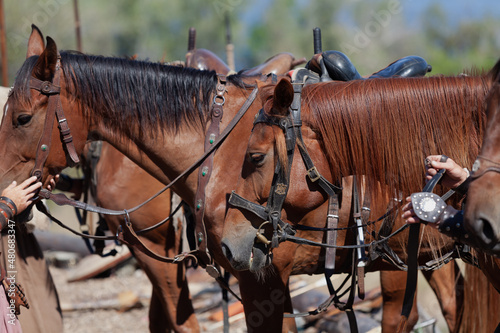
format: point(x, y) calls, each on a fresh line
point(271, 213)
point(54, 110)
point(480, 168)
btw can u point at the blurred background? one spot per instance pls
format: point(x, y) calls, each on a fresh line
point(452, 35)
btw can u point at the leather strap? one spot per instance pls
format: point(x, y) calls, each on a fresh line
point(54, 110)
point(205, 171)
point(332, 221)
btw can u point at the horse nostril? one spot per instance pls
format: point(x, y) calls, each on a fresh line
point(226, 251)
point(487, 231)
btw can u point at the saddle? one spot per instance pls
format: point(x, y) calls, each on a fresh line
point(278, 64)
point(336, 66)
point(204, 59)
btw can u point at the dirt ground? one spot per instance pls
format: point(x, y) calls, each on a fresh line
point(119, 303)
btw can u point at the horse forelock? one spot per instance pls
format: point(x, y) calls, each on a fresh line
point(20, 91)
point(119, 91)
point(384, 128)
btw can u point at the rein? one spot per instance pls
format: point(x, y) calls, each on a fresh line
point(126, 233)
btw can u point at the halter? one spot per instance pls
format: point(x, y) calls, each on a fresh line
point(291, 126)
point(54, 109)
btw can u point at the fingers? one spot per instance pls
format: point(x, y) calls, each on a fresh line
point(32, 188)
point(408, 213)
point(28, 182)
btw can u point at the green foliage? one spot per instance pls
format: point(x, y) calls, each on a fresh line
point(372, 34)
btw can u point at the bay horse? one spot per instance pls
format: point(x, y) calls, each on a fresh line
point(160, 129)
point(119, 183)
point(482, 215)
point(382, 129)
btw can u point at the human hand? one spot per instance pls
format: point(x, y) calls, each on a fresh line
point(409, 214)
point(52, 183)
point(23, 193)
point(454, 175)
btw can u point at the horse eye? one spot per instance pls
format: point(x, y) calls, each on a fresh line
point(23, 119)
point(256, 158)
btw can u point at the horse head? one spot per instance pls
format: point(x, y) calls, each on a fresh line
point(482, 212)
point(248, 235)
point(29, 145)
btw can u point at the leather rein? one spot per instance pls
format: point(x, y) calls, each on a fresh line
point(125, 232)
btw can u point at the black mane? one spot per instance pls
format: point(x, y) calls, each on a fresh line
point(122, 92)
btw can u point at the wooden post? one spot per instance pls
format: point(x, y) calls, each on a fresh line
point(229, 46)
point(3, 48)
point(77, 27)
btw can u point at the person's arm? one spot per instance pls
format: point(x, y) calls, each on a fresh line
point(16, 198)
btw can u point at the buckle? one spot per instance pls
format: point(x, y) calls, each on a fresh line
point(313, 174)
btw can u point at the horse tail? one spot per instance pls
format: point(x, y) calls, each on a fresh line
point(481, 303)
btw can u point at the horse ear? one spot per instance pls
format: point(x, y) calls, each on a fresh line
point(495, 72)
point(283, 97)
point(36, 45)
point(45, 66)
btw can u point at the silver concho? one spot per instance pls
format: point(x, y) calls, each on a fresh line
point(427, 206)
point(476, 165)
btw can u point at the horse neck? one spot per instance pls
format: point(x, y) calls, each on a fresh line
point(168, 153)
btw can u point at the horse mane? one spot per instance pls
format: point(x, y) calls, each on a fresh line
point(121, 91)
point(384, 128)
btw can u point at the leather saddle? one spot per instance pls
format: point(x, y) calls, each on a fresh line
point(278, 64)
point(204, 59)
point(336, 66)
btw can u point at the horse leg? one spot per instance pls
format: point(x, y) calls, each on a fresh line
point(448, 283)
point(393, 284)
point(264, 301)
point(171, 307)
point(158, 322)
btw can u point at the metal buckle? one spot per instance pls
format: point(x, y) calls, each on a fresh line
point(313, 174)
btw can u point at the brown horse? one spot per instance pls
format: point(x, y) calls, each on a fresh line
point(121, 183)
point(482, 215)
point(354, 129)
point(106, 96)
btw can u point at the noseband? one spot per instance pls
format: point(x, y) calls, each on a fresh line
point(54, 109)
point(271, 213)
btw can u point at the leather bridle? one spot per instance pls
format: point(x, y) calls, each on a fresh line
point(271, 213)
point(480, 168)
point(54, 110)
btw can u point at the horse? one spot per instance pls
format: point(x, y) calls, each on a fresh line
point(170, 305)
point(112, 99)
point(382, 129)
point(481, 214)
